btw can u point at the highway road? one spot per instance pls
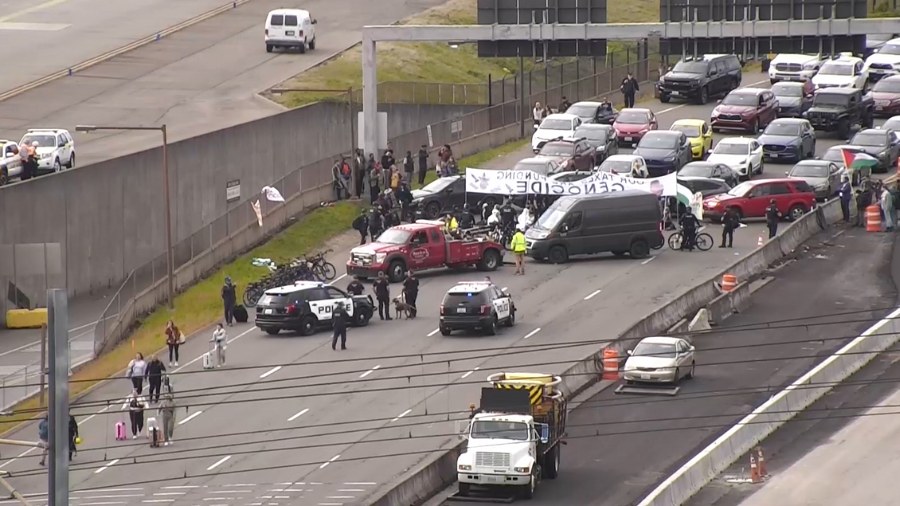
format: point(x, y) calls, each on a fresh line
point(308, 422)
point(200, 79)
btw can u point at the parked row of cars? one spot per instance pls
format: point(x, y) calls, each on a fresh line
point(54, 150)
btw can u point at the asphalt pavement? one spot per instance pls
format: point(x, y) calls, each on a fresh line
point(203, 78)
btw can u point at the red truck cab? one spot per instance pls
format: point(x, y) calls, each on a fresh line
point(420, 246)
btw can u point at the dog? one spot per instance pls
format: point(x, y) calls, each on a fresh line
point(401, 307)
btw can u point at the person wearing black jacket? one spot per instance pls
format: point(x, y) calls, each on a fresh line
point(423, 164)
point(772, 217)
point(411, 292)
point(376, 225)
point(355, 287)
point(409, 166)
point(564, 105)
point(73, 435)
point(339, 323)
point(730, 222)
point(229, 299)
point(361, 225)
point(383, 294)
point(689, 225)
point(629, 89)
point(405, 198)
point(466, 219)
point(387, 160)
point(155, 370)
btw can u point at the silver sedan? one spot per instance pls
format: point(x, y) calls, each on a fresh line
point(660, 360)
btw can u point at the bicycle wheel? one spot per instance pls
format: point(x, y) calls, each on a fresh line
point(329, 270)
point(675, 241)
point(704, 241)
point(251, 296)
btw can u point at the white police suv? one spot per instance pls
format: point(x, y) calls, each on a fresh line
point(308, 305)
point(476, 305)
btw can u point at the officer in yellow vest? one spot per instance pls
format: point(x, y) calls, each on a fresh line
point(517, 245)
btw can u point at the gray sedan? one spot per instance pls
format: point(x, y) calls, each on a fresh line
point(882, 144)
point(822, 175)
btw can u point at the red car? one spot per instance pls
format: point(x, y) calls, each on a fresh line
point(746, 109)
point(793, 197)
point(632, 124)
point(886, 94)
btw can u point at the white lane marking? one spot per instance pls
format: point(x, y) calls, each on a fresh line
point(107, 466)
point(342, 276)
point(188, 419)
point(505, 288)
point(466, 375)
point(340, 497)
point(401, 415)
point(360, 483)
point(332, 459)
point(592, 294)
point(230, 492)
point(99, 503)
point(331, 504)
point(647, 261)
point(433, 332)
point(239, 485)
point(96, 490)
point(298, 415)
point(10, 461)
point(351, 490)
point(119, 496)
point(287, 490)
point(176, 487)
point(533, 332)
point(270, 372)
point(158, 500)
point(169, 493)
point(370, 371)
point(219, 462)
point(233, 339)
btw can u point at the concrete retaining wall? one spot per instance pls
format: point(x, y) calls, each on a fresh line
point(774, 413)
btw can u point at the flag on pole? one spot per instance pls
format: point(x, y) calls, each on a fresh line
point(272, 194)
point(858, 160)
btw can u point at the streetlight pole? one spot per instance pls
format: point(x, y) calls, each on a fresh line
point(170, 260)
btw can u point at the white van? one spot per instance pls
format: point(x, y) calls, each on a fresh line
point(290, 28)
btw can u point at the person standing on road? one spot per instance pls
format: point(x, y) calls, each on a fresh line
point(339, 324)
point(361, 225)
point(629, 89)
point(411, 292)
point(355, 287)
point(229, 299)
point(73, 436)
point(44, 437)
point(887, 208)
point(135, 404)
point(383, 294)
point(730, 222)
point(772, 217)
point(219, 338)
point(137, 369)
point(376, 224)
point(862, 202)
point(423, 164)
point(845, 194)
point(155, 370)
point(166, 413)
point(174, 340)
point(518, 247)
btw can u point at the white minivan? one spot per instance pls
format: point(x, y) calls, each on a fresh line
point(290, 28)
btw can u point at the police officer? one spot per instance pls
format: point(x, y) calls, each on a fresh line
point(411, 292)
point(731, 221)
point(466, 219)
point(339, 322)
point(772, 217)
point(689, 225)
point(517, 245)
point(383, 294)
point(355, 287)
point(507, 214)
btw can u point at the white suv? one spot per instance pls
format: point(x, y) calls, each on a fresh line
point(10, 162)
point(843, 72)
point(55, 148)
point(885, 62)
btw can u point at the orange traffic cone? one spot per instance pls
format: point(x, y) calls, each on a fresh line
point(759, 241)
point(754, 470)
point(761, 462)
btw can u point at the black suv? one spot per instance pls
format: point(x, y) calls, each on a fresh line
point(698, 78)
point(307, 305)
point(838, 109)
point(476, 305)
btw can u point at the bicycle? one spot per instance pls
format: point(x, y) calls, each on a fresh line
point(703, 241)
point(322, 268)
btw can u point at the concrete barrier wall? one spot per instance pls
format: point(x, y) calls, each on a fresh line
point(774, 413)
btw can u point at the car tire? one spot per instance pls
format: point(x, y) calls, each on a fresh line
point(56, 165)
point(664, 98)
point(396, 271)
point(302, 47)
point(312, 44)
point(527, 491)
point(269, 48)
point(843, 129)
point(639, 249)
point(691, 374)
point(465, 489)
point(796, 212)
point(511, 321)
point(71, 164)
point(550, 469)
point(445, 331)
point(754, 128)
point(361, 319)
point(432, 210)
point(490, 261)
point(703, 97)
point(491, 330)
point(272, 332)
point(4, 176)
point(558, 255)
point(677, 375)
point(307, 326)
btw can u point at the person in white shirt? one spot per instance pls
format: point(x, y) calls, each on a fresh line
point(135, 404)
point(137, 369)
point(537, 113)
point(219, 338)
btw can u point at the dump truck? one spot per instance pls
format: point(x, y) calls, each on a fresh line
point(514, 437)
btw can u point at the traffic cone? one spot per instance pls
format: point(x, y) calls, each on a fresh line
point(759, 241)
point(754, 470)
point(761, 462)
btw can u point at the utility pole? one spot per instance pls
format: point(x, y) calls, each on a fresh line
point(43, 366)
point(58, 319)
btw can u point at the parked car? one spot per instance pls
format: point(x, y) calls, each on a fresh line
point(710, 170)
point(704, 185)
point(788, 140)
point(571, 154)
point(793, 197)
point(698, 78)
point(306, 306)
point(886, 96)
point(822, 175)
point(892, 124)
point(55, 148)
point(839, 109)
point(659, 360)
point(626, 165)
point(793, 98)
point(602, 138)
point(744, 155)
point(845, 71)
point(882, 144)
point(664, 151)
point(698, 133)
point(10, 162)
point(884, 62)
point(835, 154)
point(593, 112)
point(794, 67)
point(632, 124)
point(554, 126)
point(748, 109)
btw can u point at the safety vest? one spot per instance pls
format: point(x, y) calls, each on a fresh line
point(518, 242)
point(451, 225)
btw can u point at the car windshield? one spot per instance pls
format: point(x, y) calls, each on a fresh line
point(551, 218)
point(889, 49)
point(633, 118)
point(582, 110)
point(655, 141)
point(741, 189)
point(887, 86)
point(830, 99)
point(695, 170)
point(438, 184)
point(743, 99)
point(868, 139)
point(495, 429)
point(836, 69)
point(730, 148)
point(393, 236)
point(558, 149)
point(617, 166)
point(533, 165)
point(809, 171)
point(787, 90)
point(593, 134)
point(42, 140)
point(688, 130)
point(556, 124)
point(663, 350)
point(274, 299)
point(691, 67)
point(776, 128)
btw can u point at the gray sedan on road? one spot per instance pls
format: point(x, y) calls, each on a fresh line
point(880, 143)
point(822, 175)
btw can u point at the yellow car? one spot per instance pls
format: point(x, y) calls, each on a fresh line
point(699, 133)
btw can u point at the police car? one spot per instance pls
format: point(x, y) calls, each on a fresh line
point(477, 305)
point(308, 305)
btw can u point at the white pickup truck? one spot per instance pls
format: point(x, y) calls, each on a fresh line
point(10, 163)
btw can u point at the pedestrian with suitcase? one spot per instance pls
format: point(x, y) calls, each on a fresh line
point(219, 341)
point(135, 405)
point(167, 415)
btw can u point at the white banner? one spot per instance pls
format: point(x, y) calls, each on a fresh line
point(526, 182)
point(272, 194)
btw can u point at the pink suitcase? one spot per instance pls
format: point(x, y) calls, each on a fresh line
point(120, 431)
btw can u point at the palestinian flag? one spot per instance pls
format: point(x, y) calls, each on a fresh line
point(857, 160)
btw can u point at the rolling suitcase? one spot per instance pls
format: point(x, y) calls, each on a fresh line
point(153, 432)
point(120, 431)
point(240, 314)
point(208, 360)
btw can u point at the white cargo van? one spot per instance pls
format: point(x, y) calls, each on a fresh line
point(290, 28)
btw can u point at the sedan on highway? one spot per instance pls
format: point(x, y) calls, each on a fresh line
point(601, 137)
point(703, 185)
point(712, 170)
point(625, 165)
point(593, 112)
point(744, 155)
point(835, 154)
point(664, 151)
point(659, 360)
point(822, 175)
point(793, 98)
point(882, 144)
point(886, 95)
point(554, 126)
point(632, 124)
point(788, 140)
point(571, 154)
point(892, 124)
point(698, 133)
point(747, 109)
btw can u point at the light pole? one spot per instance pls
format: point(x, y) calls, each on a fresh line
point(170, 277)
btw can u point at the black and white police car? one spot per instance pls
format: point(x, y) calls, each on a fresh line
point(478, 305)
point(307, 305)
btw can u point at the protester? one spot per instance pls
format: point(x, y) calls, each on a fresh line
point(564, 104)
point(166, 413)
point(405, 198)
point(629, 88)
point(537, 114)
point(845, 193)
point(338, 181)
point(359, 170)
point(355, 287)
point(423, 163)
point(174, 340)
point(373, 173)
point(137, 369)
point(376, 224)
point(135, 405)
point(229, 299)
point(73, 436)
point(361, 225)
point(155, 370)
point(219, 340)
point(887, 208)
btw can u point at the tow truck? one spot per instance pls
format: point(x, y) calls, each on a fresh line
point(420, 246)
point(514, 438)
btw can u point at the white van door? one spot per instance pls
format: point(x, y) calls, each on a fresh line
point(276, 26)
point(292, 27)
